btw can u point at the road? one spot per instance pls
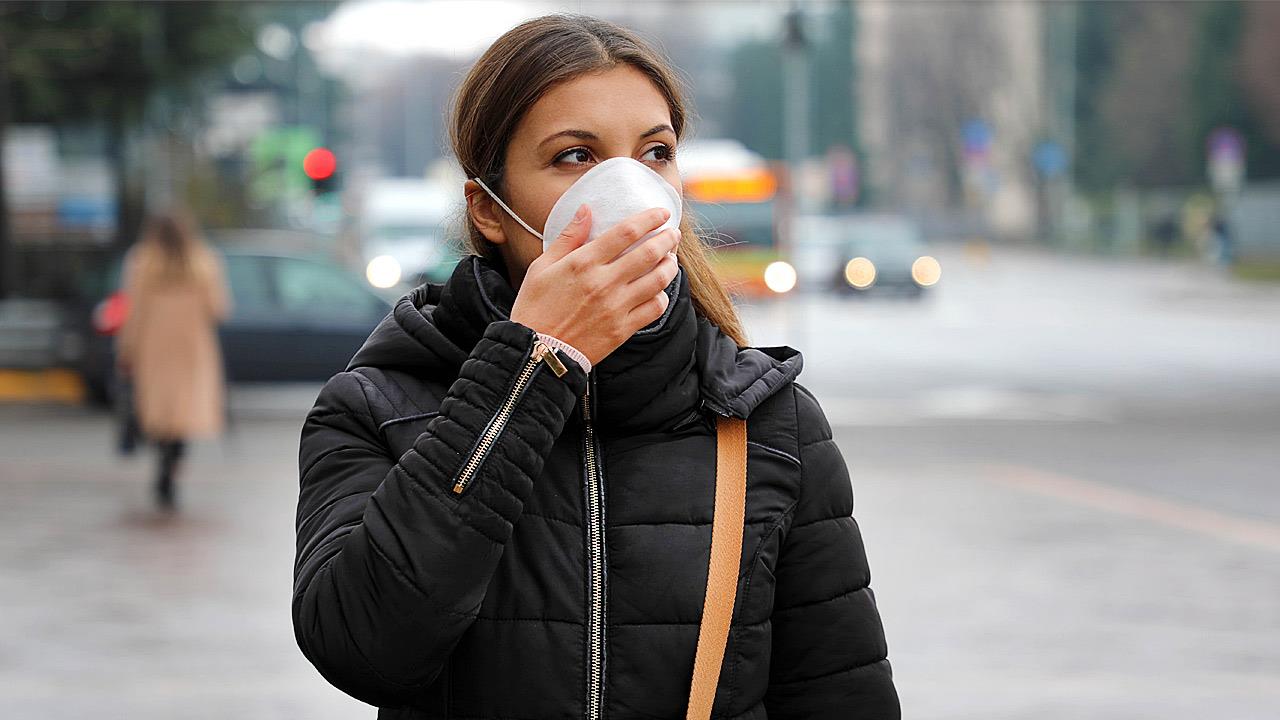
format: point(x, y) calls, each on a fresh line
point(1064, 469)
point(1066, 474)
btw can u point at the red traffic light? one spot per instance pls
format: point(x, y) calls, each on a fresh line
point(319, 164)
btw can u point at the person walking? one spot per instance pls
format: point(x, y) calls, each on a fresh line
point(168, 345)
point(507, 500)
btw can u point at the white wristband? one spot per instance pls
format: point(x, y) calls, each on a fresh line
point(567, 349)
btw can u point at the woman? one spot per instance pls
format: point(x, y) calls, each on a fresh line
point(169, 343)
point(506, 501)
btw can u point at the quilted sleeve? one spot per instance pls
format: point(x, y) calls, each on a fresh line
point(392, 564)
point(829, 656)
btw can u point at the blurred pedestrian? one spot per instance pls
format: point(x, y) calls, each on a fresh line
point(1220, 235)
point(1166, 235)
point(168, 345)
point(506, 502)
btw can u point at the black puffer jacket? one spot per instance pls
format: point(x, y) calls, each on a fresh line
point(566, 579)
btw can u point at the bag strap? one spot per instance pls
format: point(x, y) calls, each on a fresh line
point(726, 555)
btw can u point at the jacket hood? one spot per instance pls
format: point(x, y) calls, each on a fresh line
point(678, 365)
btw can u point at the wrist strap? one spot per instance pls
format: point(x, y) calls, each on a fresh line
point(567, 349)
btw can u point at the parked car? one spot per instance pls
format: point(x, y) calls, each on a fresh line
point(35, 334)
point(294, 317)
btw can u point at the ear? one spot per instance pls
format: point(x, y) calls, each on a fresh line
point(484, 212)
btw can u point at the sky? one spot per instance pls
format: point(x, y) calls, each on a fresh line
point(461, 29)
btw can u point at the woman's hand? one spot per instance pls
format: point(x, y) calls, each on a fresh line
point(589, 296)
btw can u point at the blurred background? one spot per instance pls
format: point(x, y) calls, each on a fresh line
point(1030, 251)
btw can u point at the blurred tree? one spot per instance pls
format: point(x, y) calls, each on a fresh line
point(1147, 102)
point(8, 269)
point(949, 66)
point(1154, 79)
point(755, 107)
point(1260, 67)
point(1234, 82)
point(833, 80)
point(1098, 38)
point(104, 62)
point(755, 113)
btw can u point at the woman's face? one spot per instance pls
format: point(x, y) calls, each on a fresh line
point(578, 123)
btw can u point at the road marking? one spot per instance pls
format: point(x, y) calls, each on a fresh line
point(1173, 513)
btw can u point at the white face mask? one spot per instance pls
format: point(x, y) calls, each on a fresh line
point(614, 190)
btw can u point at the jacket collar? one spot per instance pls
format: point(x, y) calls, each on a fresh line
point(667, 373)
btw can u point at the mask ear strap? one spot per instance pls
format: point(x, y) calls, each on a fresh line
point(510, 212)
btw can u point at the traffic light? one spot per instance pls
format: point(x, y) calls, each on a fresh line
point(321, 167)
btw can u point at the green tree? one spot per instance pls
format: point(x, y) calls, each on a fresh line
point(1153, 80)
point(104, 62)
point(1221, 93)
point(755, 108)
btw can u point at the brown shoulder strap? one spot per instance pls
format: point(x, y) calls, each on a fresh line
point(726, 554)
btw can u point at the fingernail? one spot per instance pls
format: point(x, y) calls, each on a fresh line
point(582, 212)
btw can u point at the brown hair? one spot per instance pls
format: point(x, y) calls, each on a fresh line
point(524, 64)
point(171, 248)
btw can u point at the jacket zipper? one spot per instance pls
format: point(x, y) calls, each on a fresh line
point(540, 351)
point(595, 542)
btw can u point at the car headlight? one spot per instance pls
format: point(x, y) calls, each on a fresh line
point(926, 271)
point(383, 271)
point(779, 276)
point(860, 273)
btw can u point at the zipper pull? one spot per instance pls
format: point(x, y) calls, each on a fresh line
point(543, 351)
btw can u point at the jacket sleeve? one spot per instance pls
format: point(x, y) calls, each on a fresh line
point(391, 564)
point(829, 657)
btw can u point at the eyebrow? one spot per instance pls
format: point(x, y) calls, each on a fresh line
point(587, 135)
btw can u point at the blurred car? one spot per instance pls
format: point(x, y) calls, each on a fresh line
point(402, 230)
point(867, 253)
point(36, 334)
point(294, 317)
point(440, 268)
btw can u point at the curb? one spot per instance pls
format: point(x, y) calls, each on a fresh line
point(41, 386)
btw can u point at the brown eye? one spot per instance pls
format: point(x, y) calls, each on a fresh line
point(661, 153)
point(578, 155)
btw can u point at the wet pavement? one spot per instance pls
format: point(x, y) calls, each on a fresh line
point(114, 610)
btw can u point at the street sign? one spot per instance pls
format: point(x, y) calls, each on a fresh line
point(1050, 158)
point(1226, 159)
point(977, 135)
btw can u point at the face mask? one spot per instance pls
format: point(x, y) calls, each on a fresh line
point(614, 190)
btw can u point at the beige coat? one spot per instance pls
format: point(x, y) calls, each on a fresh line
point(169, 342)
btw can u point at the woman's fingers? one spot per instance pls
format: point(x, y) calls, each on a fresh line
point(648, 311)
point(645, 256)
point(592, 296)
point(653, 283)
point(572, 237)
point(612, 242)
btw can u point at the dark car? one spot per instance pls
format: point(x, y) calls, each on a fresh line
point(294, 317)
point(882, 253)
point(862, 253)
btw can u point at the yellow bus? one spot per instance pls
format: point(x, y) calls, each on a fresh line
point(732, 194)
